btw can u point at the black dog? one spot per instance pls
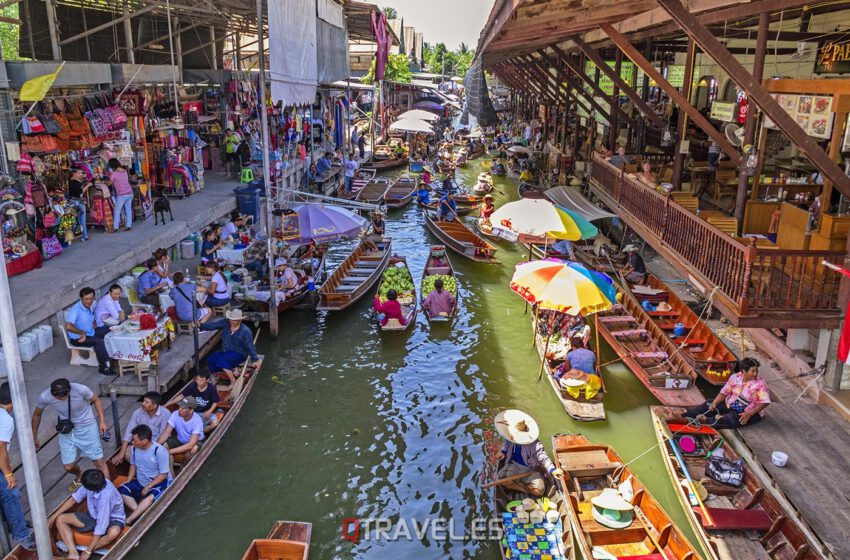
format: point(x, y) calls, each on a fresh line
point(160, 206)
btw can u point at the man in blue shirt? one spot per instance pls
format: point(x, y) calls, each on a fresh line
point(237, 344)
point(448, 207)
point(149, 472)
point(80, 325)
point(423, 196)
point(324, 164)
point(150, 284)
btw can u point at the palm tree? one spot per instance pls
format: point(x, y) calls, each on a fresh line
point(390, 12)
point(463, 48)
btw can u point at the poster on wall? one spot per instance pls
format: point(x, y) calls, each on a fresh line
point(723, 111)
point(627, 73)
point(676, 75)
point(845, 146)
point(813, 113)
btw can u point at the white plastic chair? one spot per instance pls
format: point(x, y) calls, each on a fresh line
point(77, 352)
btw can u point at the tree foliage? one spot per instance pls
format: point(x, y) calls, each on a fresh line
point(390, 12)
point(439, 59)
point(396, 70)
point(9, 34)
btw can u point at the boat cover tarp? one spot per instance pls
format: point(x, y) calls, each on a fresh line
point(293, 66)
point(571, 199)
point(478, 101)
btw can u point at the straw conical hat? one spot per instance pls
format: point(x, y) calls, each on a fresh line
point(517, 427)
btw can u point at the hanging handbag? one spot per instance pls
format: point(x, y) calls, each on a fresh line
point(49, 145)
point(725, 471)
point(65, 426)
point(117, 117)
point(50, 124)
point(49, 219)
point(50, 247)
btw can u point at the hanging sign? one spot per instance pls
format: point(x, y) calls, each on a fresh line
point(833, 58)
point(627, 73)
point(723, 111)
point(676, 75)
point(743, 108)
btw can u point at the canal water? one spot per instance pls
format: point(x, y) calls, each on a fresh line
point(348, 423)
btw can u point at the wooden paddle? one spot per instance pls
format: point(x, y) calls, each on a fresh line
point(240, 381)
point(506, 479)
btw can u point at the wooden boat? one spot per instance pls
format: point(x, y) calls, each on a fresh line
point(747, 522)
point(461, 210)
point(459, 158)
point(401, 192)
point(485, 229)
point(374, 192)
point(610, 264)
point(407, 301)
point(443, 267)
point(386, 163)
point(354, 277)
point(579, 408)
point(232, 401)
point(461, 239)
point(589, 470)
point(297, 296)
point(527, 190)
point(702, 348)
point(649, 353)
point(415, 166)
point(505, 500)
point(362, 178)
point(288, 540)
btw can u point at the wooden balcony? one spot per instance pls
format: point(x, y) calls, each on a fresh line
point(752, 286)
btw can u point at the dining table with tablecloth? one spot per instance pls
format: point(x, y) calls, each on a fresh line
point(124, 344)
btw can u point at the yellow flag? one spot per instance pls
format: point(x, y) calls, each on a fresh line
point(36, 88)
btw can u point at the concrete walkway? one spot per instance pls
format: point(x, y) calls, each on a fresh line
point(39, 294)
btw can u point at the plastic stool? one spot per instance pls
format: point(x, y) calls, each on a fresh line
point(247, 175)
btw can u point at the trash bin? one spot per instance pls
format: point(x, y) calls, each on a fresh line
point(248, 201)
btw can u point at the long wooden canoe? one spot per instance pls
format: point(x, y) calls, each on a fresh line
point(287, 540)
point(610, 264)
point(401, 192)
point(287, 302)
point(438, 263)
point(230, 405)
point(745, 523)
point(578, 408)
point(374, 192)
point(702, 348)
point(461, 210)
point(527, 190)
point(354, 277)
point(504, 502)
point(378, 162)
point(589, 469)
point(649, 353)
point(461, 239)
point(407, 301)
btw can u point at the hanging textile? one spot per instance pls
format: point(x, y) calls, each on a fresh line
point(293, 67)
point(379, 29)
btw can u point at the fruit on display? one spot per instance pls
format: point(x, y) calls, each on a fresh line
point(449, 284)
point(398, 279)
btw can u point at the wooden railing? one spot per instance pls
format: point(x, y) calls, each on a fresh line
point(756, 280)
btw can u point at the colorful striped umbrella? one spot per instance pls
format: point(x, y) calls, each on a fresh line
point(602, 281)
point(554, 284)
point(536, 219)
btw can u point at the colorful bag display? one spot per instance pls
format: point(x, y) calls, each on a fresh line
point(50, 247)
point(31, 125)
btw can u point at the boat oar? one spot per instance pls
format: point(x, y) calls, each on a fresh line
point(240, 381)
point(506, 479)
point(546, 347)
point(647, 526)
point(534, 330)
point(693, 486)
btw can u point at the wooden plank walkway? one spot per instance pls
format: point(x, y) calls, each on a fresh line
point(817, 441)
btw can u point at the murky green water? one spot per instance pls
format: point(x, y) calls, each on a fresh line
point(358, 424)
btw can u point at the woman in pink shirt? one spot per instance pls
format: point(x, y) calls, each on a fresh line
point(439, 302)
point(741, 402)
point(391, 309)
point(120, 179)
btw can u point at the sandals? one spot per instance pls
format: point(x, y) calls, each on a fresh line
point(74, 486)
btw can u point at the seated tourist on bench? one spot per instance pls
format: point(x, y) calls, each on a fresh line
point(108, 311)
point(149, 473)
point(219, 293)
point(80, 326)
point(206, 395)
point(150, 284)
point(237, 344)
point(182, 294)
point(184, 432)
point(741, 401)
point(104, 515)
point(210, 245)
point(152, 415)
point(635, 269)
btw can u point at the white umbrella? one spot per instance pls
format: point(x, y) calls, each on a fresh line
point(419, 114)
point(519, 150)
point(412, 125)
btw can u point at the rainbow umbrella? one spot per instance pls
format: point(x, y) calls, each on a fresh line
point(532, 220)
point(555, 285)
point(602, 281)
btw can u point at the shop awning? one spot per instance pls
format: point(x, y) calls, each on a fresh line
point(569, 198)
point(293, 68)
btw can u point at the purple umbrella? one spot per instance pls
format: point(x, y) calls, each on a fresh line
point(322, 223)
point(433, 105)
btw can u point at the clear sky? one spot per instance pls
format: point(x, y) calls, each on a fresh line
point(448, 21)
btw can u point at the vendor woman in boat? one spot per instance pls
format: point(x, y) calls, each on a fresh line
point(741, 402)
point(423, 195)
point(487, 207)
point(377, 235)
point(426, 176)
point(439, 302)
point(523, 452)
point(578, 372)
point(390, 309)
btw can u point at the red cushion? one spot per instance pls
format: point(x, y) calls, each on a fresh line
point(655, 556)
point(736, 519)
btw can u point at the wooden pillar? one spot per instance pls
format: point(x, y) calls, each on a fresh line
point(682, 124)
point(53, 30)
point(85, 28)
point(178, 48)
point(614, 100)
point(128, 34)
point(213, 49)
point(750, 125)
point(644, 95)
point(238, 49)
point(27, 28)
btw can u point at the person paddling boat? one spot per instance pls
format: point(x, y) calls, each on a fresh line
point(524, 453)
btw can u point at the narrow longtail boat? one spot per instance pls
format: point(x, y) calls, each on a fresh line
point(288, 540)
point(354, 277)
point(401, 192)
point(374, 192)
point(649, 353)
point(461, 239)
point(361, 178)
point(406, 300)
point(232, 401)
point(612, 513)
point(741, 522)
point(438, 263)
point(578, 407)
point(711, 359)
point(286, 301)
point(461, 210)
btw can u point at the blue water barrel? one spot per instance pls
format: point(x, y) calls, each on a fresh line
point(248, 201)
point(679, 329)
